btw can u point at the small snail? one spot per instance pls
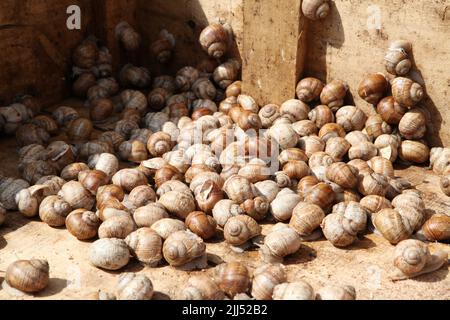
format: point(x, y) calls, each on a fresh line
point(397, 60)
point(412, 258)
point(147, 215)
point(283, 205)
point(77, 195)
point(299, 290)
point(28, 275)
point(224, 210)
point(85, 54)
point(183, 247)
point(315, 9)
point(374, 203)
point(166, 226)
point(412, 126)
point(321, 115)
point(333, 94)
point(201, 287)
point(28, 200)
point(201, 224)
point(118, 227)
point(31, 134)
point(178, 203)
point(133, 76)
point(80, 129)
point(162, 48)
point(332, 292)
point(373, 88)
point(390, 110)
point(414, 151)
point(375, 126)
point(391, 225)
point(101, 109)
point(284, 135)
point(53, 210)
point(82, 224)
point(279, 243)
point(304, 128)
point(109, 254)
point(214, 40)
point(233, 278)
point(133, 286)
point(306, 218)
point(238, 189)
point(127, 36)
point(226, 73)
point(351, 118)
point(343, 174)
point(331, 130)
point(437, 228)
point(128, 179)
point(265, 279)
point(146, 245)
point(309, 89)
point(337, 148)
point(407, 92)
point(241, 228)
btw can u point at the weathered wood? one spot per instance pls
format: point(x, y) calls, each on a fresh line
point(273, 49)
point(353, 39)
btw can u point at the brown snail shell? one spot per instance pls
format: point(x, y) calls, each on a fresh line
point(94, 147)
point(373, 184)
point(183, 247)
point(201, 287)
point(214, 40)
point(257, 208)
point(321, 115)
point(412, 126)
point(396, 59)
point(162, 48)
point(53, 210)
point(440, 160)
point(92, 180)
point(337, 148)
point(28, 200)
point(292, 154)
point(83, 83)
point(309, 89)
point(133, 286)
point(315, 9)
point(382, 166)
point(234, 89)
point(185, 78)
point(391, 225)
point(306, 184)
point(31, 134)
point(113, 138)
point(265, 279)
point(407, 92)
point(127, 36)
point(351, 118)
point(299, 290)
point(224, 210)
point(86, 54)
point(331, 292)
point(374, 203)
point(331, 130)
point(80, 129)
point(178, 203)
point(53, 184)
point(305, 128)
point(414, 151)
point(321, 194)
point(28, 275)
point(238, 189)
point(146, 245)
point(101, 109)
point(201, 224)
point(437, 228)
point(364, 151)
point(282, 241)
point(233, 278)
point(77, 196)
point(283, 205)
point(208, 195)
point(343, 174)
point(65, 115)
point(125, 127)
point(239, 229)
point(166, 226)
point(9, 188)
point(128, 179)
point(226, 73)
point(333, 94)
point(141, 196)
point(109, 254)
point(82, 224)
point(118, 227)
point(373, 88)
point(147, 215)
point(46, 123)
point(306, 218)
point(375, 126)
point(390, 110)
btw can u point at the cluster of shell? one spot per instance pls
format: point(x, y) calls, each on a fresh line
point(199, 155)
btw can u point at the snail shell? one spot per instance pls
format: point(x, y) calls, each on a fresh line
point(36, 170)
point(265, 279)
point(299, 290)
point(374, 203)
point(333, 94)
point(109, 191)
point(375, 126)
point(127, 36)
point(437, 228)
point(381, 166)
point(234, 89)
point(166, 226)
point(414, 151)
point(413, 258)
point(185, 78)
point(390, 110)
point(224, 210)
point(47, 123)
point(396, 59)
point(440, 160)
point(113, 138)
point(226, 73)
point(146, 245)
point(82, 224)
point(373, 184)
point(178, 203)
point(53, 210)
point(86, 54)
point(208, 195)
point(133, 286)
point(83, 83)
point(305, 128)
point(28, 275)
point(364, 150)
point(80, 129)
point(9, 188)
point(182, 247)
point(141, 196)
point(94, 147)
point(279, 243)
point(331, 292)
point(128, 179)
point(146, 216)
point(118, 227)
point(306, 218)
point(201, 287)
point(31, 134)
point(295, 109)
point(337, 148)
point(109, 254)
point(407, 92)
point(28, 200)
point(412, 126)
point(391, 225)
point(315, 9)
point(241, 228)
point(238, 189)
point(283, 205)
point(257, 208)
point(201, 224)
point(331, 130)
point(445, 185)
point(321, 115)
point(373, 88)
point(101, 109)
point(343, 174)
point(92, 180)
point(284, 135)
point(65, 115)
point(309, 89)
point(214, 40)
point(268, 114)
point(321, 194)
point(388, 146)
point(77, 196)
point(233, 278)
point(351, 118)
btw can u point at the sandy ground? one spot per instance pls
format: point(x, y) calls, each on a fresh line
point(365, 265)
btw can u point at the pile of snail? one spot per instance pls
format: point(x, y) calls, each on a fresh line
point(191, 154)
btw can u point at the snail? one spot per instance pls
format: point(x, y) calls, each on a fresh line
point(373, 88)
point(265, 279)
point(128, 179)
point(163, 47)
point(315, 9)
point(9, 187)
point(80, 129)
point(305, 128)
point(147, 215)
point(166, 226)
point(342, 226)
point(38, 169)
point(214, 40)
point(437, 228)
point(238, 189)
point(28, 275)
point(226, 73)
point(374, 203)
point(77, 196)
point(118, 226)
point(86, 54)
point(113, 138)
point(94, 147)
point(282, 241)
point(178, 203)
point(172, 185)
point(65, 115)
point(13, 116)
point(133, 76)
point(321, 115)
point(109, 254)
point(392, 226)
point(284, 135)
point(127, 36)
point(28, 200)
point(31, 134)
point(141, 196)
point(445, 184)
point(201, 224)
point(320, 194)
point(440, 160)
point(133, 151)
point(101, 109)
point(268, 114)
point(337, 148)
point(82, 84)
point(282, 206)
point(224, 210)
point(185, 78)
point(364, 151)
point(333, 94)
point(234, 89)
point(397, 60)
point(390, 111)
point(306, 218)
point(208, 195)
point(53, 210)
point(412, 258)
point(245, 119)
point(204, 89)
point(159, 143)
point(105, 162)
point(343, 174)
point(91, 180)
point(182, 247)
point(295, 109)
point(146, 245)
point(241, 228)
point(309, 89)
point(412, 126)
point(233, 278)
point(47, 123)
point(133, 286)
point(332, 292)
point(414, 151)
point(397, 186)
point(351, 118)
point(201, 287)
point(406, 92)
point(306, 184)
point(388, 146)
point(373, 184)
point(331, 130)
point(257, 208)
point(82, 224)
point(381, 166)
point(299, 290)
point(375, 126)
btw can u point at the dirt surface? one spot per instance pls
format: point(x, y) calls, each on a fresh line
point(365, 265)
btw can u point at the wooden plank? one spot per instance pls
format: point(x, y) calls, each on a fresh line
point(274, 49)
